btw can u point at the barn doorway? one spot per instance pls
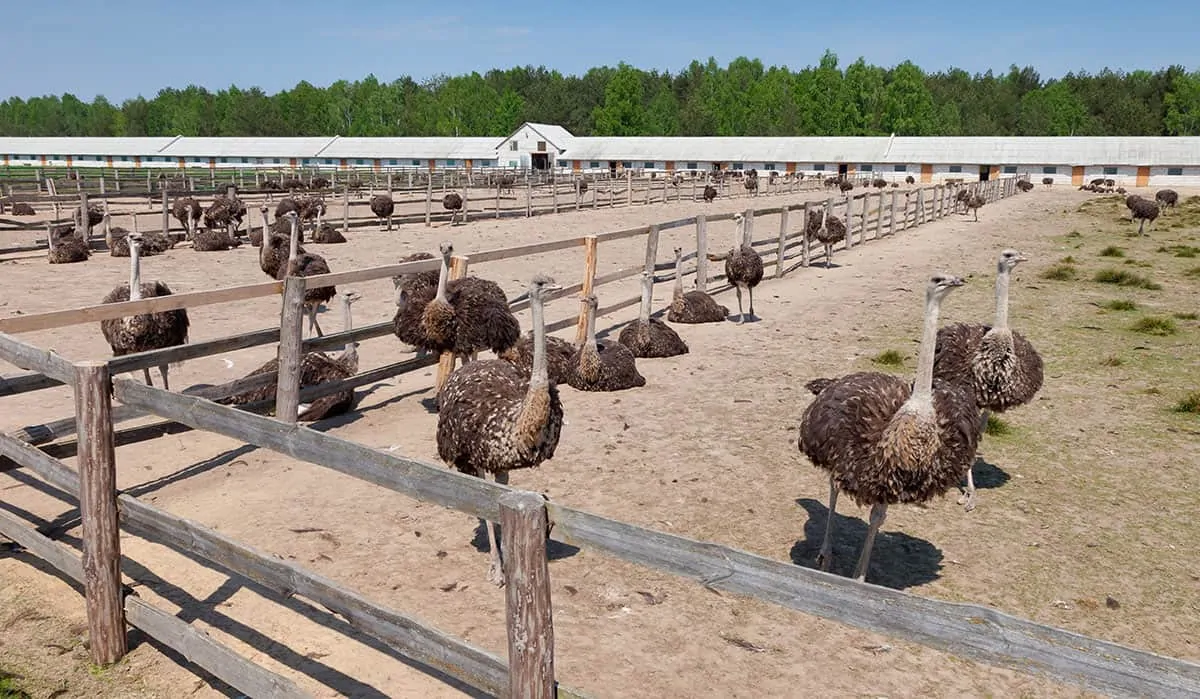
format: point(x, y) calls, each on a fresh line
point(843, 169)
point(985, 172)
point(540, 161)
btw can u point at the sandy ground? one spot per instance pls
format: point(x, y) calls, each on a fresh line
point(707, 449)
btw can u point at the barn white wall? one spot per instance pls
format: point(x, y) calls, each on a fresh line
point(1188, 177)
point(1124, 176)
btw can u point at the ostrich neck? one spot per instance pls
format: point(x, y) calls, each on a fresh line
point(678, 291)
point(443, 279)
point(1002, 278)
point(591, 327)
point(294, 246)
point(135, 271)
point(923, 386)
point(535, 409)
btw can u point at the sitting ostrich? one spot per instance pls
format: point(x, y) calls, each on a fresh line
point(117, 239)
point(383, 207)
point(327, 234)
point(879, 183)
point(558, 356)
point(743, 266)
point(1166, 198)
point(463, 316)
point(21, 208)
point(1142, 210)
point(494, 418)
point(602, 365)
point(414, 280)
point(315, 368)
point(145, 331)
point(305, 264)
point(974, 202)
point(65, 246)
point(649, 337)
point(846, 186)
point(213, 238)
point(1048, 181)
point(710, 193)
point(225, 212)
point(188, 212)
point(695, 306)
point(885, 440)
point(833, 231)
point(909, 179)
point(997, 365)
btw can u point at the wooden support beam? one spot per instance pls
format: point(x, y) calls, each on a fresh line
point(528, 613)
point(291, 335)
point(806, 241)
point(782, 249)
point(98, 509)
point(590, 260)
point(458, 270)
point(701, 249)
point(29, 357)
point(648, 273)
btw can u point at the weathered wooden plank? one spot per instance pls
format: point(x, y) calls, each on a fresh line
point(192, 350)
point(528, 615)
point(622, 234)
point(32, 358)
point(371, 273)
point(56, 554)
point(967, 630)
point(523, 250)
point(24, 383)
point(202, 650)
point(677, 223)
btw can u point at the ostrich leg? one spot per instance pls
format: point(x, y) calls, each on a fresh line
point(828, 255)
point(825, 557)
point(750, 290)
point(967, 500)
point(162, 369)
point(878, 515)
point(146, 373)
point(496, 567)
point(741, 315)
point(313, 325)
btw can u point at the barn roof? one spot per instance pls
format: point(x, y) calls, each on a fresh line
point(71, 145)
point(1047, 150)
point(554, 134)
point(729, 149)
point(223, 146)
point(415, 147)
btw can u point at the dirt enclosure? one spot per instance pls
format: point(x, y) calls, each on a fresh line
point(1086, 505)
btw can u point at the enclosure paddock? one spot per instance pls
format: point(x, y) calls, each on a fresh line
point(967, 630)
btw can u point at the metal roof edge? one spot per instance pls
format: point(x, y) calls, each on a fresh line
point(171, 143)
point(325, 147)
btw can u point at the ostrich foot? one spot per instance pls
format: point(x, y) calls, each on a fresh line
point(496, 574)
point(825, 560)
point(967, 499)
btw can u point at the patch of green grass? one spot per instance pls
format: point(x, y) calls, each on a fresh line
point(1154, 325)
point(1189, 404)
point(1068, 260)
point(1180, 250)
point(889, 358)
point(1060, 273)
point(1112, 251)
point(1186, 316)
point(1121, 305)
point(1123, 278)
point(996, 426)
point(9, 688)
point(1113, 360)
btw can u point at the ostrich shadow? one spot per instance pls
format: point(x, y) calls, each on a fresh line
point(898, 561)
point(555, 550)
point(987, 475)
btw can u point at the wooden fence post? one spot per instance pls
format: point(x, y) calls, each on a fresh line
point(783, 229)
point(466, 208)
point(879, 219)
point(805, 241)
point(346, 209)
point(590, 258)
point(528, 611)
point(166, 214)
point(98, 509)
point(849, 221)
point(291, 335)
point(429, 201)
point(701, 251)
point(85, 221)
point(748, 227)
point(528, 196)
point(458, 270)
point(648, 271)
point(117, 179)
point(578, 196)
point(629, 188)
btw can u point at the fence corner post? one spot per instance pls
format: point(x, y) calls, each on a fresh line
point(291, 350)
point(98, 510)
point(530, 621)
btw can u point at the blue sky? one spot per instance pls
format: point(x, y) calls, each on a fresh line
point(121, 49)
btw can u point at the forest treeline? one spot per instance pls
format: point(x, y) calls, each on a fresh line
point(744, 98)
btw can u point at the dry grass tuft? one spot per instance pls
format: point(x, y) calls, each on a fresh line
point(1154, 325)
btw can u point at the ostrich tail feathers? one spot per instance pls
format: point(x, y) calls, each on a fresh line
point(817, 385)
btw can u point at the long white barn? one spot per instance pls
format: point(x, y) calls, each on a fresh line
point(1137, 161)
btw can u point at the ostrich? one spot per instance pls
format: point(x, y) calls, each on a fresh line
point(1166, 198)
point(602, 366)
point(1142, 210)
point(998, 366)
point(453, 203)
point(650, 337)
point(188, 212)
point(327, 234)
point(834, 231)
point(695, 306)
point(884, 440)
point(383, 207)
point(65, 245)
point(710, 193)
point(117, 239)
point(1048, 181)
point(213, 238)
point(145, 331)
point(21, 208)
point(960, 198)
point(845, 186)
point(493, 418)
point(463, 316)
point(909, 179)
point(879, 183)
point(743, 266)
point(558, 356)
point(305, 264)
point(315, 368)
point(225, 212)
point(974, 202)
point(414, 280)
point(751, 183)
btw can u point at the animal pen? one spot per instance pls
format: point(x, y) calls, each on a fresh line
point(103, 402)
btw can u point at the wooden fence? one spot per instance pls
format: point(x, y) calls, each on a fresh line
point(967, 630)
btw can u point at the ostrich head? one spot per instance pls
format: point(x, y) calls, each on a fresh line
point(942, 283)
point(541, 285)
point(678, 253)
point(1009, 259)
point(447, 249)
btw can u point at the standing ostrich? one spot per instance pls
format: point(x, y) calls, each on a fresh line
point(453, 203)
point(414, 280)
point(886, 441)
point(274, 251)
point(315, 368)
point(305, 264)
point(909, 179)
point(383, 207)
point(974, 202)
point(743, 266)
point(650, 337)
point(834, 231)
point(117, 239)
point(493, 418)
point(602, 366)
point(188, 212)
point(845, 186)
point(751, 183)
point(1142, 210)
point(145, 331)
point(1048, 181)
point(998, 366)
point(65, 246)
point(710, 193)
point(1166, 198)
point(225, 212)
point(695, 306)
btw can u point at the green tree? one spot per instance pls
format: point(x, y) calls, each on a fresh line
point(622, 113)
point(907, 103)
point(1051, 111)
point(1183, 106)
